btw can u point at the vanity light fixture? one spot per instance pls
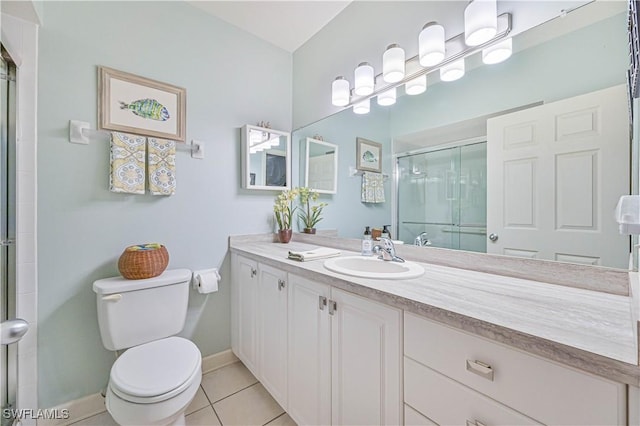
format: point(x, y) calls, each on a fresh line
point(498, 52)
point(480, 22)
point(416, 86)
point(387, 97)
point(362, 107)
point(364, 79)
point(451, 65)
point(452, 71)
point(393, 61)
point(340, 91)
point(431, 44)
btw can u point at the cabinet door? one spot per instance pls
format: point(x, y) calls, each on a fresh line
point(309, 352)
point(366, 361)
point(244, 295)
point(272, 332)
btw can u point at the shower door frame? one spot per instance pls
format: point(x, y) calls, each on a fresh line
point(395, 216)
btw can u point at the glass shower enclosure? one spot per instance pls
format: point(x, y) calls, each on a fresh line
point(443, 193)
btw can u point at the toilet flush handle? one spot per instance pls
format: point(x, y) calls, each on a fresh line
point(112, 297)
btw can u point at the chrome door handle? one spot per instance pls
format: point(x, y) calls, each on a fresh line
point(493, 237)
point(8, 242)
point(322, 302)
point(333, 307)
point(480, 368)
point(11, 331)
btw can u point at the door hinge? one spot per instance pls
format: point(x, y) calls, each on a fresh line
point(322, 302)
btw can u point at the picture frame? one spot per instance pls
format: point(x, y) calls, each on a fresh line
point(368, 155)
point(133, 104)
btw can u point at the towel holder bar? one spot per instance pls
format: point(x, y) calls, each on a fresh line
point(353, 172)
point(80, 132)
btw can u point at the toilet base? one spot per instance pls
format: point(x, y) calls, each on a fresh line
point(165, 413)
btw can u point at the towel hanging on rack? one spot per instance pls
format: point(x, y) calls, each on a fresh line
point(127, 163)
point(372, 188)
point(162, 166)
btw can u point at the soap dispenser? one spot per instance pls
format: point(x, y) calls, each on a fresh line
point(385, 232)
point(367, 242)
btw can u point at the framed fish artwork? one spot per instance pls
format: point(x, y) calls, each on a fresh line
point(368, 155)
point(133, 104)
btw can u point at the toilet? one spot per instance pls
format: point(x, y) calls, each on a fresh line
point(157, 377)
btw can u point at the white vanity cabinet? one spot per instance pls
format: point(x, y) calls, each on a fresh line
point(272, 331)
point(345, 355)
point(449, 373)
point(244, 299)
point(327, 356)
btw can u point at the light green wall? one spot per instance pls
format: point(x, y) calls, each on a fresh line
point(232, 79)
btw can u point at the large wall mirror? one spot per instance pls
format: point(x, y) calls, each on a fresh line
point(266, 158)
point(321, 166)
point(441, 152)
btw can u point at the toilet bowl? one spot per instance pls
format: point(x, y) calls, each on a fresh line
point(154, 383)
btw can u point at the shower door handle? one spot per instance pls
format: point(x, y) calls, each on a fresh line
point(12, 331)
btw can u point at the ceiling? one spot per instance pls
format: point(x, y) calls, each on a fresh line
point(286, 24)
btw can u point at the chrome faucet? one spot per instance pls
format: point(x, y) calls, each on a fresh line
point(388, 252)
point(422, 240)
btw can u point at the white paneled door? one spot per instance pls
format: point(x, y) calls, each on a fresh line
point(554, 175)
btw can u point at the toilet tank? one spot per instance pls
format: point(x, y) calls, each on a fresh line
point(133, 312)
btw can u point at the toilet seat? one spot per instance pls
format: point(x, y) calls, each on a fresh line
point(156, 371)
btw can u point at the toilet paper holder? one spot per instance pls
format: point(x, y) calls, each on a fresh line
point(205, 281)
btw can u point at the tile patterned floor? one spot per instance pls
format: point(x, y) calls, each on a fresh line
point(230, 395)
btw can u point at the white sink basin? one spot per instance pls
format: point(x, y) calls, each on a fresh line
point(372, 267)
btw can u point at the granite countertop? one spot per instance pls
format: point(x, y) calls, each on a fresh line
point(590, 330)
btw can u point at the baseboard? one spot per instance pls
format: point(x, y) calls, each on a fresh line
point(91, 405)
point(219, 360)
point(78, 409)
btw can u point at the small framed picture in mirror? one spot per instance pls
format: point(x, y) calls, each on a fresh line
point(368, 155)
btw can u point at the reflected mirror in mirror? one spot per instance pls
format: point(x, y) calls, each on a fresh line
point(265, 158)
point(582, 53)
point(321, 166)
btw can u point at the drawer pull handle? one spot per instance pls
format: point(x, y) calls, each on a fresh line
point(475, 423)
point(480, 368)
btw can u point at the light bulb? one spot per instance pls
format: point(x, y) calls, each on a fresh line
point(416, 86)
point(364, 82)
point(480, 22)
point(498, 52)
point(340, 91)
point(393, 64)
point(388, 97)
point(362, 107)
point(452, 71)
point(431, 49)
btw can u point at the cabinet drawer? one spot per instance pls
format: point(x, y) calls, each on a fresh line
point(447, 402)
point(413, 418)
point(544, 390)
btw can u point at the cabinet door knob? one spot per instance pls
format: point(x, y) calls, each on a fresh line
point(254, 272)
point(281, 284)
point(493, 237)
point(322, 302)
point(480, 368)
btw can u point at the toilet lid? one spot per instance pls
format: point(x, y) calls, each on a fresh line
point(155, 368)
